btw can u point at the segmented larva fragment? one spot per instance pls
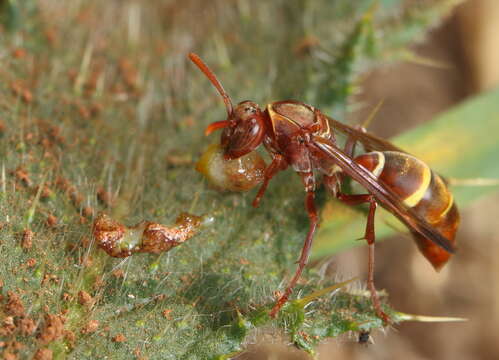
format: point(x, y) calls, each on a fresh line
point(241, 174)
point(118, 240)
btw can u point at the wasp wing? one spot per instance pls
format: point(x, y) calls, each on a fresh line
point(387, 198)
point(370, 141)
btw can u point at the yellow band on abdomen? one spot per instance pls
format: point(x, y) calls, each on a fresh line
point(416, 196)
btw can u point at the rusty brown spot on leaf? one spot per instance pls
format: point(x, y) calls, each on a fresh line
point(244, 261)
point(70, 338)
point(119, 338)
point(104, 197)
point(22, 176)
point(27, 239)
point(51, 36)
point(19, 53)
point(21, 90)
point(51, 133)
point(129, 74)
point(43, 354)
point(305, 45)
point(8, 327)
point(46, 192)
point(66, 297)
point(31, 262)
point(53, 329)
point(167, 314)
point(27, 326)
point(48, 278)
point(51, 221)
point(90, 327)
point(85, 299)
point(88, 211)
point(14, 305)
point(118, 273)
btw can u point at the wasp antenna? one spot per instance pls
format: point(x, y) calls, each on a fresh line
point(372, 114)
point(213, 79)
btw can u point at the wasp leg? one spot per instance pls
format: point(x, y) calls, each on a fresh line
point(332, 182)
point(370, 238)
point(309, 182)
point(278, 163)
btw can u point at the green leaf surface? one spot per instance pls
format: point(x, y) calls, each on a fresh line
point(100, 111)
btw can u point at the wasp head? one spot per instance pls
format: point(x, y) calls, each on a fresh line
point(244, 130)
point(244, 127)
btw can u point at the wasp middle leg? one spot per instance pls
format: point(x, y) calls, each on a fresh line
point(309, 182)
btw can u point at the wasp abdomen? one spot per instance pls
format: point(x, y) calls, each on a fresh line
point(421, 189)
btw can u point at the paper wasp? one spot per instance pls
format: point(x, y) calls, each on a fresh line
point(298, 135)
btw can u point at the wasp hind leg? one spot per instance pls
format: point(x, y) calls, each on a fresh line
point(369, 236)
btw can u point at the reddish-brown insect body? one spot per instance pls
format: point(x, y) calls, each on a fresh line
point(298, 135)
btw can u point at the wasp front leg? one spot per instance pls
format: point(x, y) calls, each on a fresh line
point(278, 164)
point(309, 182)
